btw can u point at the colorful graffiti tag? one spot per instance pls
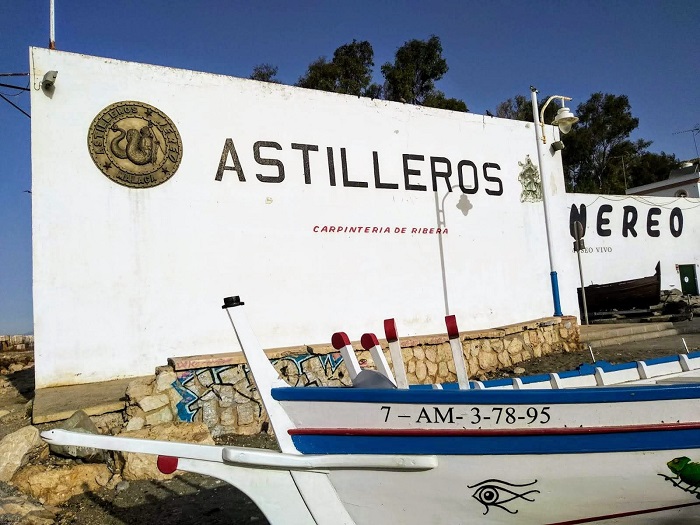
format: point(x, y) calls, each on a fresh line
point(198, 387)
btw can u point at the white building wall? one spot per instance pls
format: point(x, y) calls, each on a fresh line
point(124, 278)
point(626, 236)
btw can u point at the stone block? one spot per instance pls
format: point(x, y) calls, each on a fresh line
point(165, 380)
point(515, 346)
point(153, 402)
point(225, 394)
point(57, 485)
point(232, 375)
point(419, 354)
point(135, 423)
point(140, 388)
point(488, 361)
point(431, 354)
point(246, 414)
point(432, 370)
point(421, 371)
point(497, 345)
point(14, 448)
point(504, 359)
point(228, 417)
point(210, 413)
point(158, 417)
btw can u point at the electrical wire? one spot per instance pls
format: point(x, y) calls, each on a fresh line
point(14, 105)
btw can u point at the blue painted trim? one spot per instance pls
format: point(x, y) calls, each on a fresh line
point(500, 445)
point(618, 394)
point(541, 378)
point(607, 367)
point(660, 360)
point(555, 293)
point(497, 382)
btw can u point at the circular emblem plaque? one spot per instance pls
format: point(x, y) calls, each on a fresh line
point(134, 144)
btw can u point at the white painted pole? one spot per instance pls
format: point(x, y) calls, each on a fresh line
point(545, 202)
point(52, 26)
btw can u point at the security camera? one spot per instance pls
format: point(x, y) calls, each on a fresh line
point(49, 79)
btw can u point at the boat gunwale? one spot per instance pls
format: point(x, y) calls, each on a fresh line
point(596, 394)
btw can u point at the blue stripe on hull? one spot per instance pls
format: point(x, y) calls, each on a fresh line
point(498, 445)
point(473, 397)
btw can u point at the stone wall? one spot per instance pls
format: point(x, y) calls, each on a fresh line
point(219, 390)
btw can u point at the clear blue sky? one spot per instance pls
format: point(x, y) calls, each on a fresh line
point(647, 50)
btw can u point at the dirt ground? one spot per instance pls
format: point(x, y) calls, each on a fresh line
point(192, 498)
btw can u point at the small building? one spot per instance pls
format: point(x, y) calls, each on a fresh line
point(682, 182)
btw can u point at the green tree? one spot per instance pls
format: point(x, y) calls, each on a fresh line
point(349, 72)
point(520, 108)
point(640, 167)
point(411, 78)
point(265, 73)
point(601, 134)
point(517, 108)
point(437, 99)
point(599, 156)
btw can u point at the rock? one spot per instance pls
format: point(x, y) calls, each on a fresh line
point(165, 380)
point(135, 423)
point(59, 484)
point(153, 402)
point(3, 413)
point(518, 370)
point(122, 485)
point(18, 509)
point(164, 415)
point(80, 422)
point(14, 448)
point(108, 423)
point(143, 466)
point(140, 388)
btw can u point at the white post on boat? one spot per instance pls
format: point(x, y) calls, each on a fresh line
point(457, 352)
point(371, 344)
point(266, 377)
point(395, 351)
point(341, 342)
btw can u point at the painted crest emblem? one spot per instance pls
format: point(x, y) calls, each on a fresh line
point(135, 144)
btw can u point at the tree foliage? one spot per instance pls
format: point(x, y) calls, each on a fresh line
point(602, 133)
point(349, 72)
point(411, 78)
point(265, 73)
point(437, 99)
point(599, 155)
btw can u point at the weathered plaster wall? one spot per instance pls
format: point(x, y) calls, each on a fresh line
point(320, 210)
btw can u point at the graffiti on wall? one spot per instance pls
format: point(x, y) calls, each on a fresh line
point(203, 385)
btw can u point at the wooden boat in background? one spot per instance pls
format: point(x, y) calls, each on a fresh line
point(623, 295)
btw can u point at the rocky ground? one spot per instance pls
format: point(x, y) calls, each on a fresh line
point(188, 498)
